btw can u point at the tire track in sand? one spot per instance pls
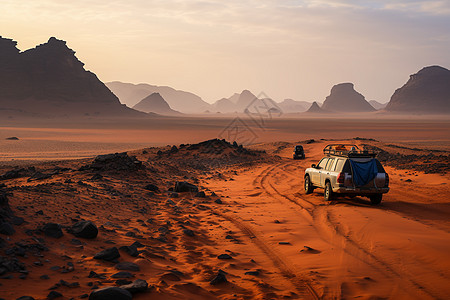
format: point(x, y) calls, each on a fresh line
point(327, 230)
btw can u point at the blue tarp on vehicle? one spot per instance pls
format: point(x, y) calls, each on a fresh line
point(363, 172)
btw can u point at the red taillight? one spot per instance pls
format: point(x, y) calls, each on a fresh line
point(341, 178)
point(386, 179)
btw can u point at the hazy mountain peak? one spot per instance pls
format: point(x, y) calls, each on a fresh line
point(344, 98)
point(155, 103)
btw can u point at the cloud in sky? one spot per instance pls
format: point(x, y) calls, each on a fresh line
point(286, 48)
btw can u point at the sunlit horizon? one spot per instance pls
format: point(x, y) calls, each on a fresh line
point(286, 49)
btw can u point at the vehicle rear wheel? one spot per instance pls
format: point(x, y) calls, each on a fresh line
point(376, 199)
point(328, 193)
point(308, 185)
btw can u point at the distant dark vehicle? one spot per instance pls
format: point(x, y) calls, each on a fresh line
point(345, 169)
point(299, 153)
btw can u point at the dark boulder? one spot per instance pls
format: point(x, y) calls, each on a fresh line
point(224, 256)
point(183, 186)
point(110, 293)
point(52, 230)
point(130, 250)
point(84, 229)
point(219, 278)
point(6, 228)
point(152, 187)
point(110, 254)
point(188, 232)
point(54, 295)
point(200, 194)
point(122, 274)
point(127, 266)
point(136, 286)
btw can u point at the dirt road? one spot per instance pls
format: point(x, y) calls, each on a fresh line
point(345, 248)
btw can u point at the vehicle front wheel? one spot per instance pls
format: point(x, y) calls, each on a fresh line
point(328, 193)
point(376, 199)
point(308, 185)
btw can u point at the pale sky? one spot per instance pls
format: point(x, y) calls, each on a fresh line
point(285, 48)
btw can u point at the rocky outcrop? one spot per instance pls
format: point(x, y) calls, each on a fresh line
point(427, 91)
point(49, 79)
point(155, 103)
point(344, 98)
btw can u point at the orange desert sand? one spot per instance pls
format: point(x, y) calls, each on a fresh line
point(279, 242)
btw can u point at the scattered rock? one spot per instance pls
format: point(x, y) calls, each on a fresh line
point(13, 138)
point(130, 250)
point(151, 187)
point(200, 194)
point(253, 273)
point(25, 298)
point(54, 295)
point(122, 274)
point(220, 278)
point(110, 254)
point(173, 195)
point(307, 249)
point(218, 201)
point(136, 286)
point(183, 186)
point(84, 229)
point(110, 293)
point(115, 162)
point(188, 232)
point(127, 266)
point(6, 228)
point(52, 230)
point(224, 256)
point(284, 243)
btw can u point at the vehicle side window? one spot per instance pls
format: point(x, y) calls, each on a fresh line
point(323, 163)
point(329, 164)
point(339, 164)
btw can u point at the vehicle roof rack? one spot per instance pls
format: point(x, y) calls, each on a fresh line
point(348, 150)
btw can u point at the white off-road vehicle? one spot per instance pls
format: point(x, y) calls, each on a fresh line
point(347, 170)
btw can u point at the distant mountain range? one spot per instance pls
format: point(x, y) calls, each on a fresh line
point(186, 102)
point(50, 80)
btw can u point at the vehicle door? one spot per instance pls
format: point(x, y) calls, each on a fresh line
point(326, 171)
point(315, 175)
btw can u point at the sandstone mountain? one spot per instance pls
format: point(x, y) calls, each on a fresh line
point(238, 102)
point(155, 103)
point(224, 105)
point(50, 80)
point(344, 98)
point(315, 108)
point(427, 91)
point(185, 102)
